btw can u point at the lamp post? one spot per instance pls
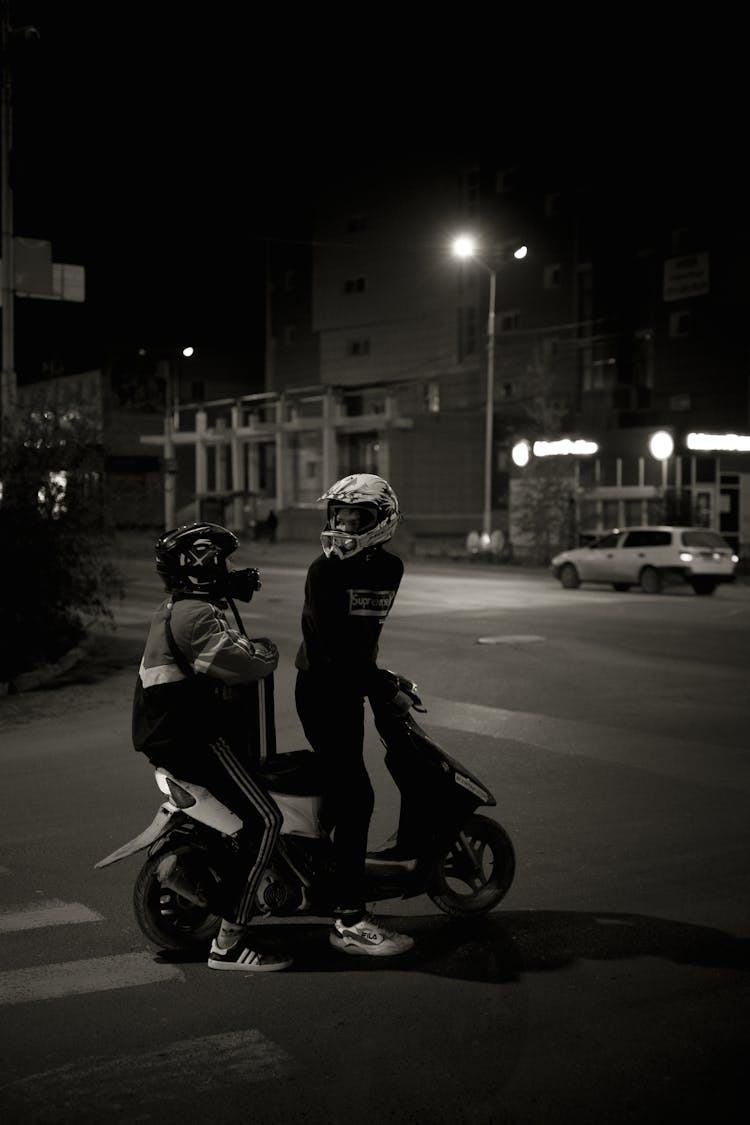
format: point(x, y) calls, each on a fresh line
point(465, 247)
point(170, 377)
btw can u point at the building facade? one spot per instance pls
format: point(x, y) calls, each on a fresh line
point(626, 317)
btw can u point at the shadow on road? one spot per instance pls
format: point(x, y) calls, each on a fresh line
point(502, 947)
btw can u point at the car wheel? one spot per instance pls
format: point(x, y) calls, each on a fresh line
point(703, 585)
point(650, 580)
point(569, 577)
point(621, 586)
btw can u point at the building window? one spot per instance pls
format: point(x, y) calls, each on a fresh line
point(552, 276)
point(432, 397)
point(550, 347)
point(507, 391)
point(289, 277)
point(584, 295)
point(467, 332)
point(290, 333)
point(470, 190)
point(358, 347)
point(505, 179)
point(510, 320)
point(679, 325)
point(600, 376)
point(680, 240)
point(354, 285)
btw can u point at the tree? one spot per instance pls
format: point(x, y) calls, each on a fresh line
point(543, 508)
point(56, 574)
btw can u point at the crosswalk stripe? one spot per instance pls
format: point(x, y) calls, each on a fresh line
point(50, 912)
point(203, 1065)
point(71, 978)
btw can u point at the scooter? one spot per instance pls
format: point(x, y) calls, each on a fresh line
point(463, 860)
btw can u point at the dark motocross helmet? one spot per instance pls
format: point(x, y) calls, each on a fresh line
point(192, 559)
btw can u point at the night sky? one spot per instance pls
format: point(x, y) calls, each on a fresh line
point(161, 144)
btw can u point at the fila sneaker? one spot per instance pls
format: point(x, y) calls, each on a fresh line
point(369, 937)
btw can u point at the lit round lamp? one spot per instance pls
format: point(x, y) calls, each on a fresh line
point(661, 445)
point(521, 453)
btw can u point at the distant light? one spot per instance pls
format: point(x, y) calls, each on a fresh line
point(464, 246)
point(661, 445)
point(565, 446)
point(187, 352)
point(728, 443)
point(520, 453)
point(521, 252)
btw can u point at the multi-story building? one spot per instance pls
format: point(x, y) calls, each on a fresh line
point(625, 317)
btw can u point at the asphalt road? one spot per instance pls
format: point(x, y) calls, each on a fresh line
point(611, 984)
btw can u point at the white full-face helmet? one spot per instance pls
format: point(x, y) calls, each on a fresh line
point(362, 511)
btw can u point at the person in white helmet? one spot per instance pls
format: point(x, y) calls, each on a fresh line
point(349, 591)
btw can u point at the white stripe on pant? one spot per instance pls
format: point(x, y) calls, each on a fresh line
point(268, 813)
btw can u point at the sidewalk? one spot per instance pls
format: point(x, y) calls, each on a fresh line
point(300, 553)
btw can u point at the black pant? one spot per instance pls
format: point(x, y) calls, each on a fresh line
point(226, 776)
point(334, 725)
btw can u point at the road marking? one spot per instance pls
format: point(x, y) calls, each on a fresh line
point(204, 1065)
point(679, 758)
point(50, 912)
point(73, 978)
point(509, 639)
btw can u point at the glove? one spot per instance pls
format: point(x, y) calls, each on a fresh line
point(264, 642)
point(398, 706)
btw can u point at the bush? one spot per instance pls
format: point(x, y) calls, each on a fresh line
point(56, 574)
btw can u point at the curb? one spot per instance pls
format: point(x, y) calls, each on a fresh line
point(36, 677)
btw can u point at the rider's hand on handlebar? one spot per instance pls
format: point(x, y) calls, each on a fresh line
point(399, 705)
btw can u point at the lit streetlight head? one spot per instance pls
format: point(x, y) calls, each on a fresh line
point(187, 352)
point(521, 252)
point(661, 445)
point(464, 246)
point(521, 453)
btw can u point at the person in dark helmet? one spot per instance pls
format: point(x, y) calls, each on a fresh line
point(190, 710)
point(349, 591)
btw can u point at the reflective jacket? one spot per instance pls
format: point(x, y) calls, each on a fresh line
point(192, 691)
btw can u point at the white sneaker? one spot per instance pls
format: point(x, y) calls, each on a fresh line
point(240, 958)
point(369, 937)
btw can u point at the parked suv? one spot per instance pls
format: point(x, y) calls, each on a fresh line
point(650, 557)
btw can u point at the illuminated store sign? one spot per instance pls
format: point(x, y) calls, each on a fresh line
point(722, 443)
point(563, 447)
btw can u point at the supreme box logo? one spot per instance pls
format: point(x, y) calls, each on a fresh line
point(370, 603)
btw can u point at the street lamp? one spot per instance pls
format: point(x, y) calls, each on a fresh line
point(465, 247)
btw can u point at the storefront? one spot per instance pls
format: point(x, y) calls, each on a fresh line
point(632, 477)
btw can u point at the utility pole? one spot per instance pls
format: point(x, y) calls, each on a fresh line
point(8, 382)
point(8, 377)
point(166, 371)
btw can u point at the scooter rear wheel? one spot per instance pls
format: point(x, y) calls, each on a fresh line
point(165, 917)
point(477, 872)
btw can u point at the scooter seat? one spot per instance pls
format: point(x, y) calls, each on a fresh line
point(297, 772)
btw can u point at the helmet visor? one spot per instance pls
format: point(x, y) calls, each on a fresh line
point(353, 519)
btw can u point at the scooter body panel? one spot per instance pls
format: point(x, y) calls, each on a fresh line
point(300, 815)
point(167, 815)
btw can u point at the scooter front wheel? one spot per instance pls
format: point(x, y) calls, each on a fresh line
point(167, 918)
point(476, 872)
